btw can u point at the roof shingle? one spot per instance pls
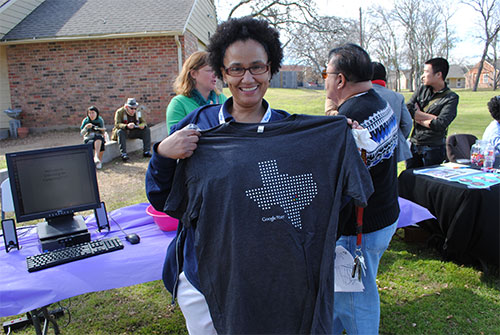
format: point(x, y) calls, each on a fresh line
point(65, 18)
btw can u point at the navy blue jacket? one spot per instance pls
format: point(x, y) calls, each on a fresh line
point(159, 177)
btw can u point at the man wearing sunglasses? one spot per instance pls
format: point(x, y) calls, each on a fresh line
point(348, 84)
point(130, 124)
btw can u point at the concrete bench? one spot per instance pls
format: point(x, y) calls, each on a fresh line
point(158, 133)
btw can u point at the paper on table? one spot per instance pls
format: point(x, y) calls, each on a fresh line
point(454, 165)
point(343, 272)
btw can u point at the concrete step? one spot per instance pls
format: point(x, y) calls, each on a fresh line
point(158, 133)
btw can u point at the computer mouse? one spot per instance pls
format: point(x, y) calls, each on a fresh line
point(133, 238)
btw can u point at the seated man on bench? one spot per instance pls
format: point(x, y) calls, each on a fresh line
point(130, 124)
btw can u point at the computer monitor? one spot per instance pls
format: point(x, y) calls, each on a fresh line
point(53, 184)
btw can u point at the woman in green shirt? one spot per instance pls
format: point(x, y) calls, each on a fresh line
point(195, 86)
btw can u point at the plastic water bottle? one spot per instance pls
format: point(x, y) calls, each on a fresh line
point(489, 155)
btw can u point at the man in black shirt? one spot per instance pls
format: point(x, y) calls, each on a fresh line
point(348, 84)
point(433, 107)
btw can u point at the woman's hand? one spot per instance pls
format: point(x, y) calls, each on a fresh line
point(180, 144)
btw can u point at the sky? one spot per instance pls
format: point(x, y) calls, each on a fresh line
point(464, 23)
point(467, 51)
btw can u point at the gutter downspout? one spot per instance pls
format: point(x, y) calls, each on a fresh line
point(179, 52)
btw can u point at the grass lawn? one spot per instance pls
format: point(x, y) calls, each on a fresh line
point(420, 293)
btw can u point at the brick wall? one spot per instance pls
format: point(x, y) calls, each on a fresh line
point(54, 83)
point(190, 41)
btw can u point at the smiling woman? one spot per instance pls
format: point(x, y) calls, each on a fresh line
point(247, 77)
point(245, 53)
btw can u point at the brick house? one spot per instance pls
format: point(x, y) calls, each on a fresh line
point(58, 57)
point(487, 76)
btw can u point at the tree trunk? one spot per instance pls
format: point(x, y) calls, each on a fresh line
point(480, 69)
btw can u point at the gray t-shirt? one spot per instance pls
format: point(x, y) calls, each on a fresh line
point(264, 199)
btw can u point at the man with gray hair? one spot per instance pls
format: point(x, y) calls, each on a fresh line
point(348, 84)
point(131, 124)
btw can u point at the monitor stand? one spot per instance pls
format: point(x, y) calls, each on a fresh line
point(62, 231)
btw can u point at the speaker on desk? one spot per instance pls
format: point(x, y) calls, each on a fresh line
point(9, 234)
point(101, 217)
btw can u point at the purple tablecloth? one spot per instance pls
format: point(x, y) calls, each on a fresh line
point(21, 291)
point(412, 213)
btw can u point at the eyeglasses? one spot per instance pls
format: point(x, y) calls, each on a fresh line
point(207, 70)
point(238, 71)
point(325, 74)
point(132, 108)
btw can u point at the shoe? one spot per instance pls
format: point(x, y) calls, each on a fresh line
point(125, 157)
point(146, 154)
point(98, 163)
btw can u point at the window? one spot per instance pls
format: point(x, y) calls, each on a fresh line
point(485, 78)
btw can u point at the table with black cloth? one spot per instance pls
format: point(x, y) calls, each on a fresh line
point(468, 219)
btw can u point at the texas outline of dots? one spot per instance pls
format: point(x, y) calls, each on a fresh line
point(292, 193)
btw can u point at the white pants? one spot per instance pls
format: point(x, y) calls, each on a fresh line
point(195, 309)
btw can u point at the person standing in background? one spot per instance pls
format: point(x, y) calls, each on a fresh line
point(397, 102)
point(433, 107)
point(195, 86)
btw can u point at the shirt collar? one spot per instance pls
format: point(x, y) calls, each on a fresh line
point(228, 103)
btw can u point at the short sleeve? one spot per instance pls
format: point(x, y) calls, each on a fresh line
point(175, 112)
point(357, 180)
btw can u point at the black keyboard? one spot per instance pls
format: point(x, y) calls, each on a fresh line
point(72, 253)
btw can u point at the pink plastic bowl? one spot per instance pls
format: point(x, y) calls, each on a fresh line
point(164, 222)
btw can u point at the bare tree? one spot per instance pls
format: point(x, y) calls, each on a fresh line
point(309, 46)
point(407, 12)
point(446, 12)
point(306, 35)
point(490, 22)
point(284, 15)
point(423, 26)
point(386, 42)
point(493, 59)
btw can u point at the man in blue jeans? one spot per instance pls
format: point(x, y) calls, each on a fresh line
point(348, 84)
point(433, 107)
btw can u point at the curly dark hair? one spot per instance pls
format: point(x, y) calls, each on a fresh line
point(242, 29)
point(494, 107)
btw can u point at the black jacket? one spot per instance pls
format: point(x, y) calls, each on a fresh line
point(443, 104)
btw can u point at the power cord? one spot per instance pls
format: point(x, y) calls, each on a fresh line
point(112, 219)
point(67, 311)
point(132, 238)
